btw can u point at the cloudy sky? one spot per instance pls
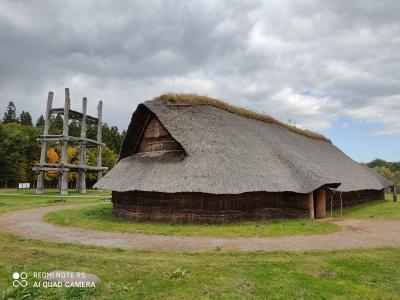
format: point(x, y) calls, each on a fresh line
point(332, 66)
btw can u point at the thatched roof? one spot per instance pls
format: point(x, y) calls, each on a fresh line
point(230, 152)
point(193, 99)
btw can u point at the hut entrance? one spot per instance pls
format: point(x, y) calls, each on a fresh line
point(320, 203)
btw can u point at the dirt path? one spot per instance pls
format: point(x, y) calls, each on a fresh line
point(356, 234)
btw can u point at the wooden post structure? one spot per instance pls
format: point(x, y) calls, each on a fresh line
point(82, 150)
point(65, 139)
point(320, 204)
point(43, 150)
point(310, 202)
point(64, 145)
point(394, 193)
point(99, 137)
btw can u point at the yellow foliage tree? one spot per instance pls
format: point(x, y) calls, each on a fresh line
point(73, 158)
point(52, 158)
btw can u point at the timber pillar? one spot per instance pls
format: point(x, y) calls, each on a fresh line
point(64, 144)
point(81, 179)
point(320, 204)
point(310, 204)
point(43, 151)
point(99, 136)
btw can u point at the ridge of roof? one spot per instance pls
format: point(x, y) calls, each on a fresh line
point(193, 99)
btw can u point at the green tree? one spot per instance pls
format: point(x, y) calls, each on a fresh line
point(389, 170)
point(385, 172)
point(10, 115)
point(18, 152)
point(74, 128)
point(109, 157)
point(109, 160)
point(378, 163)
point(40, 121)
point(111, 136)
point(25, 118)
point(56, 126)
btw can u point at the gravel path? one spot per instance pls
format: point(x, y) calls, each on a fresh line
point(356, 233)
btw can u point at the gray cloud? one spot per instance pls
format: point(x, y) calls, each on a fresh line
point(313, 61)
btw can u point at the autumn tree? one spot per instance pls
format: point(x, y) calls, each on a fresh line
point(73, 158)
point(52, 158)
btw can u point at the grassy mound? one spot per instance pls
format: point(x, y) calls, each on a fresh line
point(99, 218)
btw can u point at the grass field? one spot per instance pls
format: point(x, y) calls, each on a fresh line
point(11, 199)
point(353, 274)
point(53, 192)
point(130, 274)
point(99, 218)
point(386, 210)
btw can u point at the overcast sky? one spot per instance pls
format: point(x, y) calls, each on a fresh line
point(332, 66)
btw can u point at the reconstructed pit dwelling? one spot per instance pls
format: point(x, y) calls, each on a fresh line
point(193, 159)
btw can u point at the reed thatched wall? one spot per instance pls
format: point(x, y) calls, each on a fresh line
point(202, 208)
point(208, 208)
point(356, 197)
point(156, 138)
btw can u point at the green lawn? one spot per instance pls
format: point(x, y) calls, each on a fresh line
point(132, 274)
point(52, 192)
point(387, 210)
point(128, 274)
point(12, 199)
point(99, 218)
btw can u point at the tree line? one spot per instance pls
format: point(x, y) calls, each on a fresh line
point(20, 150)
point(389, 170)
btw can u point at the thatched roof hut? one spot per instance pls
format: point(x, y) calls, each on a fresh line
point(188, 158)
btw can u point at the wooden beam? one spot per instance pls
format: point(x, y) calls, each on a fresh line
point(75, 115)
point(43, 150)
point(70, 139)
point(51, 169)
point(60, 167)
point(87, 168)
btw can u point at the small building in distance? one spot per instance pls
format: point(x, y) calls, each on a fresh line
point(194, 159)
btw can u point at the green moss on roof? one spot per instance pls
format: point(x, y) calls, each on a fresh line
point(193, 99)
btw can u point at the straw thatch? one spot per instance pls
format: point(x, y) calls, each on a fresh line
point(193, 99)
point(219, 150)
